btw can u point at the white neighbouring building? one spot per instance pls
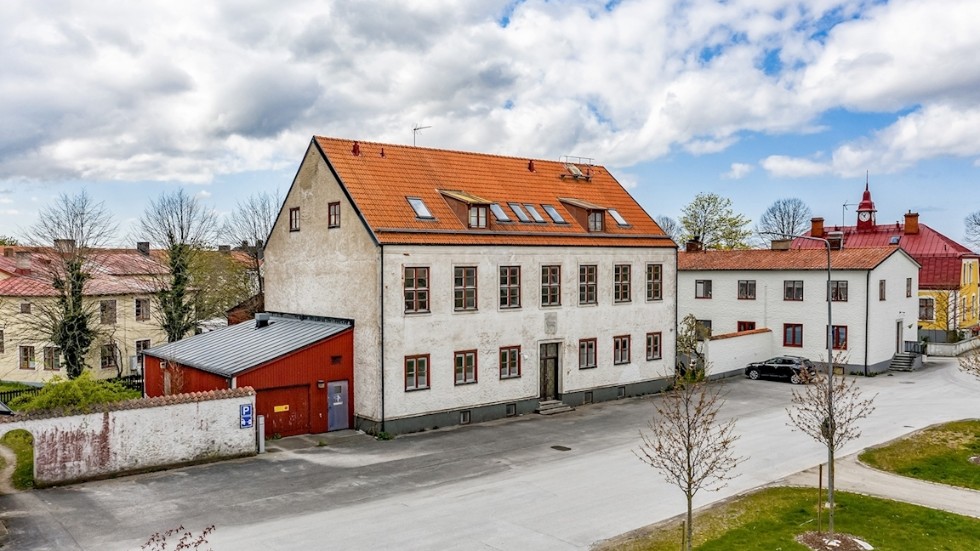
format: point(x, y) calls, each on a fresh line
point(479, 285)
point(740, 293)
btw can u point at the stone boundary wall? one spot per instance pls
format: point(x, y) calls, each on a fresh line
point(952, 349)
point(137, 435)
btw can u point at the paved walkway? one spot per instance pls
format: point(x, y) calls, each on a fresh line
point(854, 476)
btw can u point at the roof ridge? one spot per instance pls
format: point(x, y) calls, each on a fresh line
point(443, 150)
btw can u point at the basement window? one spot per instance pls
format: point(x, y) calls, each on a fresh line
point(620, 221)
point(421, 211)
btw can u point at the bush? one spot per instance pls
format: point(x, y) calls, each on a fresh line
point(80, 393)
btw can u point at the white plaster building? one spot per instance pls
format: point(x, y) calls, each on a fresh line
point(479, 285)
point(874, 306)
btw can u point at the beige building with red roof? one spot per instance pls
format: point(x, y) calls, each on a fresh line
point(481, 286)
point(738, 293)
point(120, 291)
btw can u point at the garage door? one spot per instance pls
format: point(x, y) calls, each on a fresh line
point(286, 410)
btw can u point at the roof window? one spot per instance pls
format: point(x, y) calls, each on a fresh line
point(553, 213)
point(519, 212)
point(534, 213)
point(620, 221)
point(419, 207)
point(499, 213)
point(894, 240)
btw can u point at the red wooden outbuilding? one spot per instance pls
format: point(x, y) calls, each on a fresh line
point(301, 367)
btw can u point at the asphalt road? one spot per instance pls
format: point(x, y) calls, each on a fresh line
point(498, 485)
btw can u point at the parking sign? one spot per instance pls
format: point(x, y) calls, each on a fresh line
point(245, 415)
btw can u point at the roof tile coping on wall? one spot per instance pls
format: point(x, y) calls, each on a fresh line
point(739, 334)
point(138, 403)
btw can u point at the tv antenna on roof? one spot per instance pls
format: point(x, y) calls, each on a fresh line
point(416, 130)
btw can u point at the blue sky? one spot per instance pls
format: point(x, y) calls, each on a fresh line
point(754, 100)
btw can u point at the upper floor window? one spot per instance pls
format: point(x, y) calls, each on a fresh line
point(421, 211)
point(746, 289)
point(416, 290)
point(621, 349)
point(510, 286)
point(550, 285)
point(417, 372)
point(465, 367)
point(596, 220)
point(25, 307)
point(142, 309)
point(838, 291)
point(654, 348)
point(333, 215)
point(621, 283)
point(655, 283)
point(107, 312)
point(587, 284)
point(141, 346)
point(478, 216)
point(702, 329)
point(744, 326)
point(792, 334)
point(792, 290)
point(881, 289)
point(908, 287)
point(1, 341)
point(464, 288)
point(294, 219)
point(927, 309)
point(702, 288)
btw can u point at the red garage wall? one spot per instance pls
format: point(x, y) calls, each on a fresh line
point(291, 380)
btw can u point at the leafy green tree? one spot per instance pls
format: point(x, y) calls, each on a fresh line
point(709, 218)
point(222, 279)
point(7, 241)
point(182, 227)
point(70, 233)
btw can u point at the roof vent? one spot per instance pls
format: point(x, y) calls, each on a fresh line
point(382, 152)
point(836, 240)
point(530, 165)
point(261, 320)
point(356, 150)
point(781, 244)
point(143, 247)
point(23, 263)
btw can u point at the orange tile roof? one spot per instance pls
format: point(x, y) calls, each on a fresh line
point(380, 177)
point(795, 259)
point(113, 271)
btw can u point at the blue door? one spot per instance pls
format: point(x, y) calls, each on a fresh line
point(337, 411)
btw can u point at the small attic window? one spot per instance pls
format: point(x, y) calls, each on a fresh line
point(534, 213)
point(419, 207)
point(596, 219)
point(894, 240)
point(499, 213)
point(521, 215)
point(620, 221)
point(553, 213)
point(478, 216)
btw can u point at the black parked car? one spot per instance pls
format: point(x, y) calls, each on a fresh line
point(784, 367)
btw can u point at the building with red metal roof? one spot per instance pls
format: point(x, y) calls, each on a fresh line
point(948, 289)
point(481, 285)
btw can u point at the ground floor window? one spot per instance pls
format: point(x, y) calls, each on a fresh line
point(108, 356)
point(654, 351)
point(417, 372)
point(839, 334)
point(52, 358)
point(510, 362)
point(793, 334)
point(927, 309)
point(27, 357)
point(586, 353)
point(621, 349)
point(465, 366)
point(745, 326)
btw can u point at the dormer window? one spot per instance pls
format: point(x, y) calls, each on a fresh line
point(478, 216)
point(596, 220)
point(421, 211)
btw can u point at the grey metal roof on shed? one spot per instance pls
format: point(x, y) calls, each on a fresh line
point(232, 350)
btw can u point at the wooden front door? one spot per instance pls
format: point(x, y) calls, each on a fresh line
point(549, 371)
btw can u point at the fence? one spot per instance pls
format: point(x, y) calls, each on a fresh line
point(132, 382)
point(914, 347)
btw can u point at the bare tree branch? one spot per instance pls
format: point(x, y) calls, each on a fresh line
point(249, 226)
point(671, 227)
point(784, 218)
point(970, 362)
point(972, 222)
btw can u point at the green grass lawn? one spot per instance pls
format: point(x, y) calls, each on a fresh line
point(770, 519)
point(938, 454)
point(22, 444)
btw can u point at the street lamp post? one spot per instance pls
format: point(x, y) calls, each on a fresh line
point(830, 428)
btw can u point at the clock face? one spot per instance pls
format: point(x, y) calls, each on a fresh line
point(864, 216)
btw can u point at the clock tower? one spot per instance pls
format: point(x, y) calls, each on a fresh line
point(866, 211)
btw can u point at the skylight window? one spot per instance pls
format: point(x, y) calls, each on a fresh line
point(620, 221)
point(553, 213)
point(521, 215)
point(894, 240)
point(499, 213)
point(419, 207)
point(534, 213)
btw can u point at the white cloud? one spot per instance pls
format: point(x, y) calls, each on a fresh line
point(203, 194)
point(738, 171)
point(793, 167)
point(166, 91)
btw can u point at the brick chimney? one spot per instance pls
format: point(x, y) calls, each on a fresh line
point(911, 223)
point(816, 227)
point(143, 247)
point(23, 263)
point(693, 245)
